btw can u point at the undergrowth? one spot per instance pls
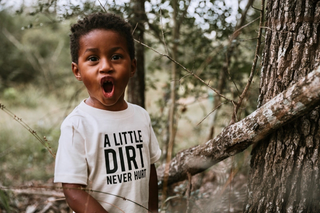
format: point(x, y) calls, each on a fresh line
point(22, 157)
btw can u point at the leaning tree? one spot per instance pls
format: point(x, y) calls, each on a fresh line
point(284, 130)
point(285, 165)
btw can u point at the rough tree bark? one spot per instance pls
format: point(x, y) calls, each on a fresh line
point(136, 86)
point(285, 165)
point(297, 100)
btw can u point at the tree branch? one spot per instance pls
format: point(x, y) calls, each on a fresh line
point(292, 103)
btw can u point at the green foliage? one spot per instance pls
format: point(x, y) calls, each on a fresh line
point(72, 10)
point(204, 43)
point(36, 81)
point(205, 49)
point(10, 94)
point(23, 95)
point(22, 157)
point(50, 53)
point(14, 64)
point(4, 201)
point(37, 54)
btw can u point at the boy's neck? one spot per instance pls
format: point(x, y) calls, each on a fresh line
point(121, 105)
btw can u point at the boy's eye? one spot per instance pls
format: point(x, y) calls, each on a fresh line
point(116, 57)
point(92, 58)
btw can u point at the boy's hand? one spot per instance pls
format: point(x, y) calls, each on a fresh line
point(153, 190)
point(80, 201)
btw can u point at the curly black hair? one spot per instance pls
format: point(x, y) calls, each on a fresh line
point(105, 21)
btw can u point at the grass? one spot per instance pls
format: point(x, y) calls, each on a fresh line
point(23, 158)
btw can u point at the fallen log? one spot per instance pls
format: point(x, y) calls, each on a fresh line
point(41, 192)
point(292, 103)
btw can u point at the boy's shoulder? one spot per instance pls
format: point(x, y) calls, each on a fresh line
point(74, 117)
point(138, 109)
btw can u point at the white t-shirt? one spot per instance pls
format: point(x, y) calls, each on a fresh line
point(109, 152)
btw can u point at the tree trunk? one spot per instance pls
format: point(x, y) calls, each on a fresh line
point(285, 166)
point(173, 95)
point(136, 86)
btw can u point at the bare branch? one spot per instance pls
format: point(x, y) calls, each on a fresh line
point(102, 6)
point(134, 29)
point(253, 68)
point(255, 8)
point(230, 47)
point(219, 105)
point(163, 37)
point(292, 103)
point(236, 33)
point(43, 140)
point(184, 68)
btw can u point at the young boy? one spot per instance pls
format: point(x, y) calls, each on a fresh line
point(107, 148)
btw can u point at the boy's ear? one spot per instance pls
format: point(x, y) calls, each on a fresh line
point(133, 67)
point(76, 71)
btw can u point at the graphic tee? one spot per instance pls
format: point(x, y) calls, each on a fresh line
point(109, 152)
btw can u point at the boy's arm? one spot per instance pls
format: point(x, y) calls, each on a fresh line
point(153, 190)
point(79, 200)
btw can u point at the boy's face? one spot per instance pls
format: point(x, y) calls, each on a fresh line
point(105, 67)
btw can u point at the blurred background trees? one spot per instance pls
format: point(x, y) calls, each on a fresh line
point(37, 84)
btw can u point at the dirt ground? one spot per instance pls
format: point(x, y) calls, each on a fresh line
point(215, 191)
point(219, 189)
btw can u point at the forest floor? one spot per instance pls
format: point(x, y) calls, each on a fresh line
point(219, 189)
point(222, 188)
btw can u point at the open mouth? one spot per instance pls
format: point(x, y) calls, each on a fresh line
point(107, 85)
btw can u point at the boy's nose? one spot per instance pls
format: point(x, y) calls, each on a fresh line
point(105, 65)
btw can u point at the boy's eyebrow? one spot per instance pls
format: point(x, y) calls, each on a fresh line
point(115, 48)
point(91, 50)
point(97, 49)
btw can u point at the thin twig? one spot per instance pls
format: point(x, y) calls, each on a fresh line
point(102, 6)
point(235, 33)
point(184, 68)
point(162, 31)
point(253, 68)
point(256, 8)
point(183, 77)
point(20, 190)
point(209, 114)
point(248, 39)
point(209, 58)
point(43, 140)
point(135, 28)
point(189, 187)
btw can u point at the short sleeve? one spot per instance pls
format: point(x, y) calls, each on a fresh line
point(70, 163)
point(155, 151)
